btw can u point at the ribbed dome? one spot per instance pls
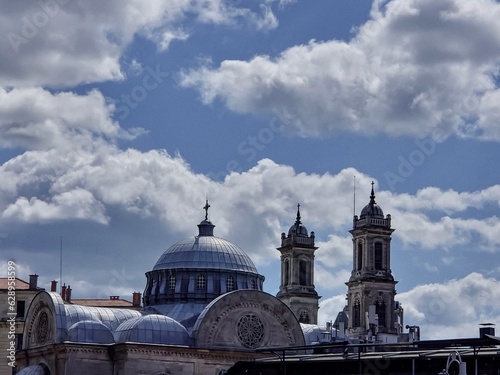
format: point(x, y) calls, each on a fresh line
point(372, 210)
point(208, 252)
point(298, 229)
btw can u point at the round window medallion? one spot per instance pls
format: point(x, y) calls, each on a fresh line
point(43, 328)
point(250, 331)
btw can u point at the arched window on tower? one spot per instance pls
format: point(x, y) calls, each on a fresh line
point(286, 271)
point(302, 272)
point(253, 284)
point(378, 255)
point(304, 317)
point(380, 311)
point(200, 282)
point(360, 256)
point(356, 314)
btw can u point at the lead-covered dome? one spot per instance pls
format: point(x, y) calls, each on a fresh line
point(193, 272)
point(205, 251)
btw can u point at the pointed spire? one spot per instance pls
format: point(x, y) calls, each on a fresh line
point(372, 197)
point(297, 221)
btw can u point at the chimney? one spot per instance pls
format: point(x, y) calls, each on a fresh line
point(68, 294)
point(63, 292)
point(53, 286)
point(486, 329)
point(33, 281)
point(114, 298)
point(136, 299)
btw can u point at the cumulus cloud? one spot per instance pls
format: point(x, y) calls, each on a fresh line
point(454, 308)
point(67, 42)
point(418, 68)
point(129, 191)
point(52, 120)
point(330, 307)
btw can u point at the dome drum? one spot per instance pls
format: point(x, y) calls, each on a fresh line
point(183, 285)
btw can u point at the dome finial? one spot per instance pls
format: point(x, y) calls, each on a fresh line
point(206, 207)
point(372, 197)
point(298, 214)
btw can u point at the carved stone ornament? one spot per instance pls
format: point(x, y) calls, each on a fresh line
point(42, 331)
point(250, 330)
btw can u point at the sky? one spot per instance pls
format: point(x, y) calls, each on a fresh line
point(118, 119)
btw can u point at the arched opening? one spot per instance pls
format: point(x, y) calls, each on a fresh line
point(303, 272)
point(304, 317)
point(360, 256)
point(286, 271)
point(380, 311)
point(356, 314)
point(378, 255)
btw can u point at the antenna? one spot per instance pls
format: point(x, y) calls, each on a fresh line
point(60, 260)
point(354, 195)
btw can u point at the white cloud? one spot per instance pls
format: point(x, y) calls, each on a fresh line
point(336, 251)
point(452, 309)
point(75, 204)
point(52, 120)
point(330, 307)
point(67, 42)
point(418, 68)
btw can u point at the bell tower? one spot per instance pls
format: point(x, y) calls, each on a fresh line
point(297, 272)
point(371, 287)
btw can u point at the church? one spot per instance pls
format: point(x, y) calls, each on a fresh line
point(204, 308)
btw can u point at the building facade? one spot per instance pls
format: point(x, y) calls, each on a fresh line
point(204, 310)
point(12, 322)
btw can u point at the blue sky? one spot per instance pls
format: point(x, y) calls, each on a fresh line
point(117, 121)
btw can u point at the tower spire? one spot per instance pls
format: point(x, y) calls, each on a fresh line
point(372, 196)
point(297, 221)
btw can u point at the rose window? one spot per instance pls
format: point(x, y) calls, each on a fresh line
point(250, 331)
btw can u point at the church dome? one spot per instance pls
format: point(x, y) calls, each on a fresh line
point(205, 251)
point(372, 208)
point(193, 272)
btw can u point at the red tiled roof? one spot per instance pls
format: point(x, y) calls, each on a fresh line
point(100, 302)
point(20, 284)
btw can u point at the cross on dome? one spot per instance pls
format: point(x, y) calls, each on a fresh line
point(206, 207)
